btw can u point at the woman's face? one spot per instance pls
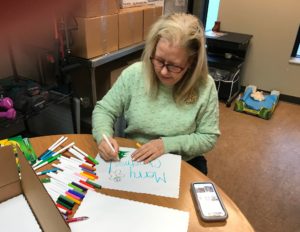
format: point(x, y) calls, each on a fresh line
point(170, 62)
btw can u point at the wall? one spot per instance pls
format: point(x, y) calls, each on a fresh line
point(5, 66)
point(273, 24)
point(29, 25)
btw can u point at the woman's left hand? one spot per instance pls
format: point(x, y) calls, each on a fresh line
point(149, 151)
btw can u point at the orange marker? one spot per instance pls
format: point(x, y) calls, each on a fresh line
point(138, 145)
point(87, 167)
point(89, 176)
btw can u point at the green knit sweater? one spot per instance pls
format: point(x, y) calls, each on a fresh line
point(189, 130)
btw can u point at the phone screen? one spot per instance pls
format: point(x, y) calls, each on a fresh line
point(208, 200)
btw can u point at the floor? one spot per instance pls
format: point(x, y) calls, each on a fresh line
point(257, 163)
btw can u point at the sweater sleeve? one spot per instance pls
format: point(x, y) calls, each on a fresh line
point(207, 129)
point(112, 104)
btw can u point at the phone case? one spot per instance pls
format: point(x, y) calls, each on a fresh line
point(199, 207)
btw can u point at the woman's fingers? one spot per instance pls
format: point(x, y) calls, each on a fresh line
point(106, 152)
point(149, 151)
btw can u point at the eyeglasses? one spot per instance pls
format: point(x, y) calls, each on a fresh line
point(161, 64)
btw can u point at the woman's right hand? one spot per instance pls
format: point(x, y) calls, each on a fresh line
point(105, 150)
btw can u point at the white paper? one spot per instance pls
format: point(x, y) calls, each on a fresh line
point(17, 216)
point(111, 214)
point(159, 177)
point(214, 34)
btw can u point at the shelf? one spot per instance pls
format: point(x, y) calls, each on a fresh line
point(226, 55)
point(26, 106)
point(93, 63)
point(54, 97)
point(97, 61)
point(230, 40)
point(219, 61)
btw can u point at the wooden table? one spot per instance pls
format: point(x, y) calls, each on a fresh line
point(236, 220)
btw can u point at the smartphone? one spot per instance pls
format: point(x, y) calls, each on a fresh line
point(208, 202)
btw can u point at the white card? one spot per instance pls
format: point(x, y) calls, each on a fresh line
point(159, 177)
point(16, 216)
point(111, 214)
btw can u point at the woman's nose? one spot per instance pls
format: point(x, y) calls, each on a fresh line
point(164, 70)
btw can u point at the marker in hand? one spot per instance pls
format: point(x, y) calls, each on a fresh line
point(109, 144)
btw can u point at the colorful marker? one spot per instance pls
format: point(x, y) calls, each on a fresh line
point(47, 171)
point(108, 143)
point(94, 184)
point(47, 161)
point(50, 150)
point(45, 180)
point(138, 145)
point(122, 154)
point(77, 219)
point(52, 155)
point(86, 155)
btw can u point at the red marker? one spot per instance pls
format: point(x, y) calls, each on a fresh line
point(77, 219)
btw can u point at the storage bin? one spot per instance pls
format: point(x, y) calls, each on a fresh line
point(227, 83)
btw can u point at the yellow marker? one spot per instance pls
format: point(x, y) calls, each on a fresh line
point(87, 175)
point(138, 145)
point(73, 199)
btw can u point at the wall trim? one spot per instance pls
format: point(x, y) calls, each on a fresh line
point(289, 98)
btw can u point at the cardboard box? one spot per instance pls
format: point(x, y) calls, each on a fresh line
point(42, 206)
point(95, 36)
point(151, 14)
point(130, 26)
point(156, 2)
point(96, 8)
point(171, 6)
point(132, 3)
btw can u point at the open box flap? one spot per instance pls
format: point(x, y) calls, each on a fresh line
point(40, 202)
point(10, 185)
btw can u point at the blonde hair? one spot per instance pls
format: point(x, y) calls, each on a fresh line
point(186, 31)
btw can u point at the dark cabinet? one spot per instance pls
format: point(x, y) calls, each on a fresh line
point(226, 56)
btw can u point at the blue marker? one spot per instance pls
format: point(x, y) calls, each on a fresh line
point(87, 170)
point(50, 151)
point(46, 155)
point(47, 171)
point(76, 193)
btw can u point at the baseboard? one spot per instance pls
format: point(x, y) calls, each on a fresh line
point(291, 99)
point(282, 97)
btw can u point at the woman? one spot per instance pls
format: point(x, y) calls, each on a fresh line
point(168, 99)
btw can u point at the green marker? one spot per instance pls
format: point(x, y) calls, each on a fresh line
point(92, 159)
point(66, 200)
point(45, 180)
point(44, 162)
point(85, 155)
point(122, 154)
point(75, 188)
point(94, 184)
point(64, 204)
